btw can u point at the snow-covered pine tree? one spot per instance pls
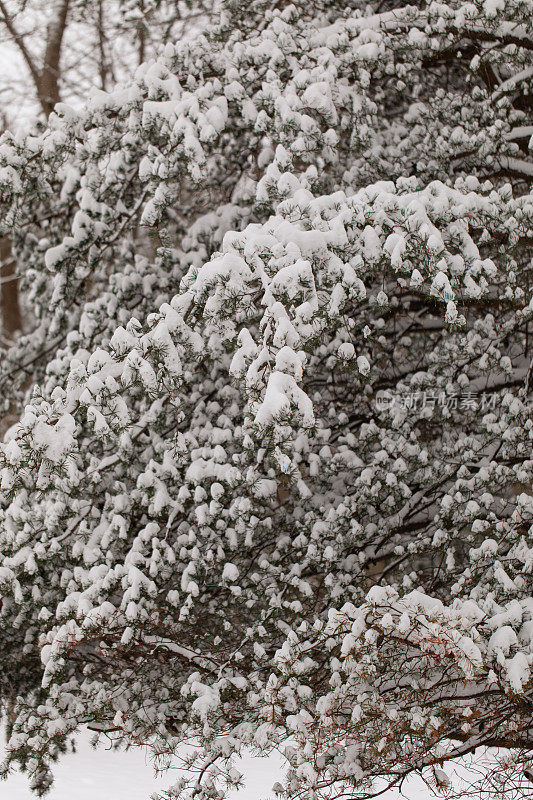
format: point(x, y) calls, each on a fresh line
point(272, 482)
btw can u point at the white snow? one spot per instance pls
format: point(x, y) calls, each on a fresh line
point(104, 774)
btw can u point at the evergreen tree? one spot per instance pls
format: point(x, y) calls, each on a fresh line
point(272, 480)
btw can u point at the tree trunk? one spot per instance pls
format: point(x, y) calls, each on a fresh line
point(9, 294)
point(49, 82)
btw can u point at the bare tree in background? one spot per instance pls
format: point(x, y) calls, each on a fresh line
point(46, 83)
point(79, 50)
point(45, 76)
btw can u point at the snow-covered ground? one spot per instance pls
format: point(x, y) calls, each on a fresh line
point(106, 775)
